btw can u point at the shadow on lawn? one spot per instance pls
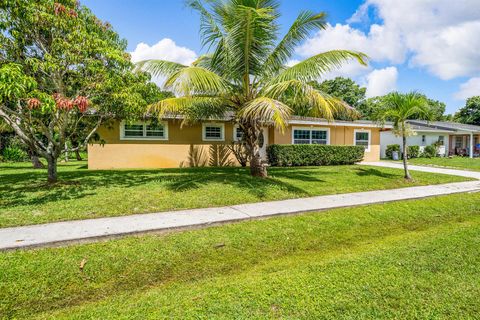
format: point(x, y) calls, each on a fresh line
point(75, 182)
point(362, 172)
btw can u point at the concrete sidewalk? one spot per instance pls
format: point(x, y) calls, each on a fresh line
point(52, 233)
point(399, 165)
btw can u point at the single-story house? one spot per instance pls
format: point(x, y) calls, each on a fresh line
point(166, 144)
point(451, 137)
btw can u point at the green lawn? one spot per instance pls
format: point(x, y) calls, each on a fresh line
point(412, 259)
point(455, 162)
point(26, 199)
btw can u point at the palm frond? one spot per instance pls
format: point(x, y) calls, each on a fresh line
point(191, 108)
point(265, 110)
point(159, 67)
point(320, 64)
point(305, 23)
point(196, 81)
point(309, 101)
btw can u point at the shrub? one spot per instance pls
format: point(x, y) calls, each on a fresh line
point(413, 151)
point(430, 151)
point(313, 155)
point(14, 154)
point(390, 149)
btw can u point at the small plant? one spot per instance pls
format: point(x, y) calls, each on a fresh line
point(390, 149)
point(413, 152)
point(430, 151)
point(14, 154)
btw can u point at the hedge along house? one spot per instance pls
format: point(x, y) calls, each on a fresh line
point(166, 144)
point(451, 138)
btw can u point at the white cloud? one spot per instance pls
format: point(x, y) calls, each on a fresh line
point(345, 37)
point(165, 49)
point(469, 89)
point(381, 81)
point(438, 35)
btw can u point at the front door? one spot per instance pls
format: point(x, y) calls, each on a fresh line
point(263, 143)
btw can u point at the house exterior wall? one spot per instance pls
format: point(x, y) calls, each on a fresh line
point(387, 138)
point(339, 135)
point(185, 146)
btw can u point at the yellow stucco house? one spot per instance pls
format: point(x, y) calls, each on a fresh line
point(168, 145)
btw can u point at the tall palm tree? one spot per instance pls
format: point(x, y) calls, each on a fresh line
point(398, 108)
point(245, 72)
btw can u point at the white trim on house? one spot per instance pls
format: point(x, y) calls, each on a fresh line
point(213, 124)
point(311, 128)
point(144, 137)
point(234, 138)
point(341, 124)
point(355, 131)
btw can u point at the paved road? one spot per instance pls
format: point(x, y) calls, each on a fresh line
point(62, 232)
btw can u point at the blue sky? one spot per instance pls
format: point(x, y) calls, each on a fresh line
point(416, 51)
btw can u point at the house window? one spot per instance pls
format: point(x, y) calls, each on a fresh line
point(424, 139)
point(362, 138)
point(144, 131)
point(458, 142)
point(441, 140)
point(133, 130)
point(310, 136)
point(213, 132)
point(237, 133)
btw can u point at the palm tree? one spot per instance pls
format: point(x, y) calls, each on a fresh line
point(398, 108)
point(246, 74)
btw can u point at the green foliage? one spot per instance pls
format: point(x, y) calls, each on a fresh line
point(430, 152)
point(313, 155)
point(56, 60)
point(470, 113)
point(436, 109)
point(390, 149)
point(347, 90)
point(413, 152)
point(14, 154)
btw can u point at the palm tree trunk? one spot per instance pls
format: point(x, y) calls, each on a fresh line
point(257, 167)
point(405, 158)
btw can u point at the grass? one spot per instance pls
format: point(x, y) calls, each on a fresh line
point(455, 162)
point(412, 259)
point(26, 199)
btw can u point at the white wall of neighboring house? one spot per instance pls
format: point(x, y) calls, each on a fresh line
point(387, 138)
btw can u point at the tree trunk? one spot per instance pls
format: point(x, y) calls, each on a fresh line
point(52, 169)
point(257, 167)
point(37, 164)
point(405, 158)
point(78, 156)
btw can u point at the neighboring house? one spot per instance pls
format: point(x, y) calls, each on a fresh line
point(451, 137)
point(168, 145)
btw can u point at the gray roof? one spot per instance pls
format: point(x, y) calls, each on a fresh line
point(420, 125)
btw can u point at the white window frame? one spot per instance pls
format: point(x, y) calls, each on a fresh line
point(212, 124)
point(144, 137)
point(355, 131)
point(312, 128)
point(234, 138)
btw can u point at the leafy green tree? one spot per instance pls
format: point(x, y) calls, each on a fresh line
point(470, 113)
point(246, 73)
point(345, 89)
point(60, 65)
point(398, 108)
